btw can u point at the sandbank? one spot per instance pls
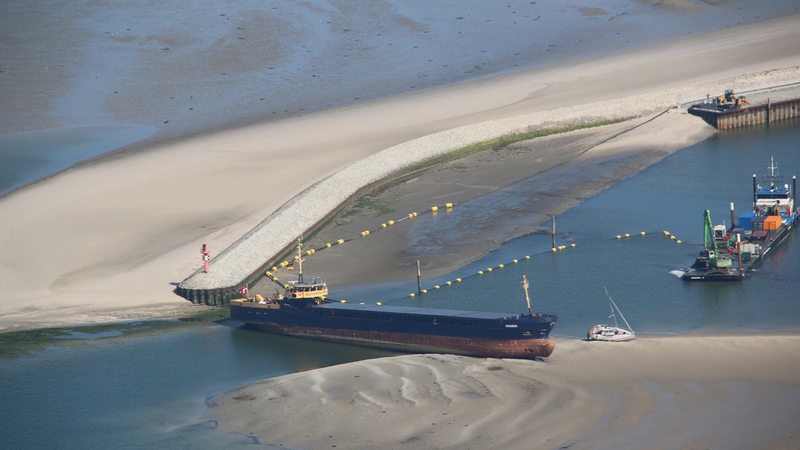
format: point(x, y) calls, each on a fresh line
point(113, 237)
point(714, 392)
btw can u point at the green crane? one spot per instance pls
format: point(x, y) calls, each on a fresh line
point(708, 233)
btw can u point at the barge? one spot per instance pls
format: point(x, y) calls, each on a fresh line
point(729, 111)
point(303, 310)
point(730, 254)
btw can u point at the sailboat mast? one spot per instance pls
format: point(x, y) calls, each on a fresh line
point(611, 307)
point(615, 309)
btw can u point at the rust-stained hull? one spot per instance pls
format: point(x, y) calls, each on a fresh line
point(416, 343)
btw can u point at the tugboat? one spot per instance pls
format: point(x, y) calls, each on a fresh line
point(756, 234)
point(304, 310)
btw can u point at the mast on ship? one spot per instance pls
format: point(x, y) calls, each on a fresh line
point(527, 297)
point(299, 259)
point(772, 167)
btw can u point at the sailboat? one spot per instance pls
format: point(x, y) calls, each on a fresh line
point(615, 333)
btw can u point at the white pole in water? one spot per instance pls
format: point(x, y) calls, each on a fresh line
point(419, 279)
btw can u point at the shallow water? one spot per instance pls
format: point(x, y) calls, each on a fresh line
point(145, 392)
point(134, 392)
point(28, 156)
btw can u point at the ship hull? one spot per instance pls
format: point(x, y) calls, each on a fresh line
point(416, 343)
point(415, 330)
point(770, 242)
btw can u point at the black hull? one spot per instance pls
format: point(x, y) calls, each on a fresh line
point(735, 274)
point(415, 330)
point(694, 275)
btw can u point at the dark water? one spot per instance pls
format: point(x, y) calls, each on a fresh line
point(145, 392)
point(134, 392)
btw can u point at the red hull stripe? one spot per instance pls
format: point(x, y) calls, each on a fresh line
point(418, 343)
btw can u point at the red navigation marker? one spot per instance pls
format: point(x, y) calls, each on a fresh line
point(206, 251)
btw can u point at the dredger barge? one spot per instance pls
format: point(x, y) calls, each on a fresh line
point(730, 254)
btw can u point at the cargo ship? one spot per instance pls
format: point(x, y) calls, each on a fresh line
point(303, 310)
point(730, 254)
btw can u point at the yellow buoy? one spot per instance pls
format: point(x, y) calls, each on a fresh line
point(436, 286)
point(619, 237)
point(449, 283)
point(412, 295)
point(488, 269)
point(572, 245)
point(434, 208)
point(340, 241)
point(480, 272)
point(527, 257)
point(379, 303)
point(424, 291)
point(383, 225)
point(328, 245)
point(678, 241)
point(515, 261)
point(500, 266)
point(391, 222)
point(448, 205)
point(458, 280)
point(553, 249)
point(642, 233)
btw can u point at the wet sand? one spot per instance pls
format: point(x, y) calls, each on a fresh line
point(715, 392)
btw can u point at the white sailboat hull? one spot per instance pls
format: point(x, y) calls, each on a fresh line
point(609, 333)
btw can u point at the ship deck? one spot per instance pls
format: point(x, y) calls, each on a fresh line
point(434, 312)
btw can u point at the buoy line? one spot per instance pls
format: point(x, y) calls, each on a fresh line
point(664, 233)
point(286, 264)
